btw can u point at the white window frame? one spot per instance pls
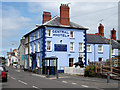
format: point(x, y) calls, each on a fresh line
point(113, 51)
point(30, 48)
point(50, 46)
point(90, 48)
point(80, 46)
point(100, 47)
point(38, 61)
point(34, 36)
point(38, 34)
point(49, 34)
point(71, 46)
point(38, 46)
point(73, 34)
point(30, 63)
point(34, 48)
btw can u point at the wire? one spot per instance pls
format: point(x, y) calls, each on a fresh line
point(94, 12)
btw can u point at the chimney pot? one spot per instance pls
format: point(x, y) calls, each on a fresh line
point(113, 34)
point(101, 30)
point(46, 16)
point(64, 15)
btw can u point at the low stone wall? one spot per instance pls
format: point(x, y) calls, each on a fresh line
point(73, 70)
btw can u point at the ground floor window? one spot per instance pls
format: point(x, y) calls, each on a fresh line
point(71, 62)
point(100, 59)
point(38, 62)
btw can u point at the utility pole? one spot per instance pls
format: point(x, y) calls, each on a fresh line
point(110, 56)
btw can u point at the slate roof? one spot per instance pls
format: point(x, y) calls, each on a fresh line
point(97, 39)
point(55, 22)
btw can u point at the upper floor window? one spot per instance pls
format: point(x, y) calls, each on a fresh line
point(100, 48)
point(30, 48)
point(71, 34)
point(34, 48)
point(34, 36)
point(26, 50)
point(88, 48)
point(80, 47)
point(113, 51)
point(49, 33)
point(38, 46)
point(38, 34)
point(30, 37)
point(71, 46)
point(49, 45)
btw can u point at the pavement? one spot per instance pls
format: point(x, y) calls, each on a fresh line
point(23, 79)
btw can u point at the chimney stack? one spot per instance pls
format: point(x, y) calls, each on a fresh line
point(113, 34)
point(46, 17)
point(64, 14)
point(101, 30)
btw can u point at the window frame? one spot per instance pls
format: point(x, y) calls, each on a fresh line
point(34, 48)
point(73, 34)
point(38, 49)
point(80, 47)
point(50, 46)
point(99, 48)
point(90, 48)
point(113, 51)
point(47, 33)
point(71, 63)
point(38, 34)
point(72, 46)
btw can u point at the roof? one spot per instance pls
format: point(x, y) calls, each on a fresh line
point(97, 39)
point(55, 22)
point(115, 44)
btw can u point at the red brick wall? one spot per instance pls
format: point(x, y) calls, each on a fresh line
point(64, 14)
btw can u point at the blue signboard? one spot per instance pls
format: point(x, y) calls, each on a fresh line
point(60, 47)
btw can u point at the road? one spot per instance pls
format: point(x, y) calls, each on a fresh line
point(23, 79)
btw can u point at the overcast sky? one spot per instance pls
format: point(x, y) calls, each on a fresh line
point(19, 18)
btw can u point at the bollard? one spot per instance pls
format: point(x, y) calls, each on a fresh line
point(57, 74)
point(108, 77)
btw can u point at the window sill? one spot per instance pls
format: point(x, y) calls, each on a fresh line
point(72, 38)
point(48, 36)
point(100, 52)
point(72, 51)
point(89, 52)
point(49, 51)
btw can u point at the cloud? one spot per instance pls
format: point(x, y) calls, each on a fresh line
point(12, 20)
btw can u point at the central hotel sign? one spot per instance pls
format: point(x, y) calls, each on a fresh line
point(60, 33)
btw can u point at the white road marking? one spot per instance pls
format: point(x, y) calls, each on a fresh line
point(22, 82)
point(13, 78)
point(38, 75)
point(64, 81)
point(34, 87)
point(74, 83)
point(17, 70)
point(84, 85)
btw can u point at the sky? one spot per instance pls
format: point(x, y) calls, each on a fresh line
point(17, 18)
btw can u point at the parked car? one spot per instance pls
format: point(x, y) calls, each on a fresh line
point(3, 73)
